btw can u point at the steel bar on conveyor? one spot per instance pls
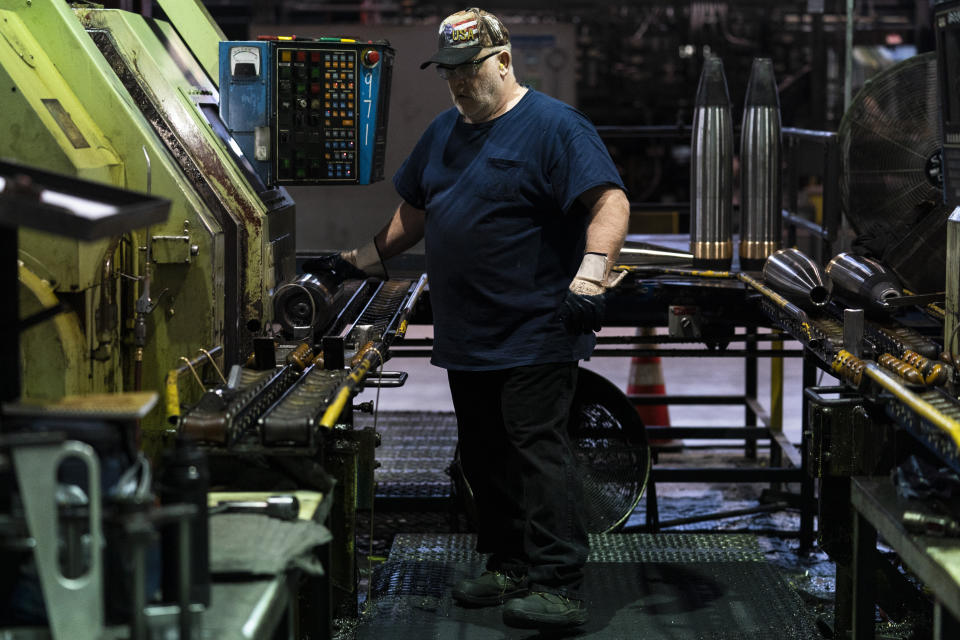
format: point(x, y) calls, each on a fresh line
point(415, 294)
point(697, 353)
point(777, 299)
point(632, 339)
point(644, 353)
point(920, 406)
point(372, 358)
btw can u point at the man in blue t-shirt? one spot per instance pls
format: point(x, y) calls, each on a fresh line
point(523, 213)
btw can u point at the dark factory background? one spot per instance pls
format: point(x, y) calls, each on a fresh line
point(625, 65)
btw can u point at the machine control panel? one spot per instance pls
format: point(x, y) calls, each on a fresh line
point(308, 112)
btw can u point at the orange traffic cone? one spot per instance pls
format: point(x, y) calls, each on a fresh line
point(646, 378)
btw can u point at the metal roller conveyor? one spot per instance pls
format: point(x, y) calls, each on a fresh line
point(899, 340)
point(294, 418)
point(259, 399)
point(931, 415)
point(224, 415)
point(282, 406)
point(940, 441)
point(827, 323)
point(821, 334)
point(370, 356)
point(359, 295)
point(383, 309)
point(207, 421)
point(374, 313)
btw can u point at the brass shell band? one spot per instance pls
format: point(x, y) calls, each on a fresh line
point(757, 249)
point(712, 250)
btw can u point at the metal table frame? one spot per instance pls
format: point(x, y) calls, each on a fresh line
point(935, 561)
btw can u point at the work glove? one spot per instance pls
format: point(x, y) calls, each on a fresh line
point(584, 305)
point(362, 262)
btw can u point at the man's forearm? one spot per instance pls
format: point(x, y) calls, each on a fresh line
point(607, 229)
point(404, 230)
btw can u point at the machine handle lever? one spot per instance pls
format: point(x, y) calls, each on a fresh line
point(386, 379)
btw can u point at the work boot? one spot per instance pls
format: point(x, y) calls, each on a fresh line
point(542, 610)
point(490, 588)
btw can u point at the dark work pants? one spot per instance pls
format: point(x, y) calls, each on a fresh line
point(516, 455)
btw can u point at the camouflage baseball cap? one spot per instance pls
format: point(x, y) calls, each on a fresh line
point(465, 34)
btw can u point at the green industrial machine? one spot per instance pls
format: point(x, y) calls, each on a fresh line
point(114, 97)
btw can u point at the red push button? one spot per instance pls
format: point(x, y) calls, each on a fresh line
point(370, 58)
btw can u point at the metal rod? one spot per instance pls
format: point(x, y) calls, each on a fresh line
point(723, 474)
point(807, 500)
point(720, 515)
point(848, 57)
point(696, 353)
point(809, 135)
point(172, 385)
point(809, 225)
point(637, 339)
point(653, 398)
point(138, 599)
point(644, 131)
point(418, 289)
point(184, 552)
point(42, 316)
point(779, 300)
point(10, 289)
point(920, 406)
point(785, 447)
point(706, 433)
point(371, 359)
point(641, 353)
point(750, 389)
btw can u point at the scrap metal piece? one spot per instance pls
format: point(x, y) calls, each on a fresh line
point(930, 525)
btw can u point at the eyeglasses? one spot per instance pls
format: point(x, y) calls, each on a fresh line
point(467, 69)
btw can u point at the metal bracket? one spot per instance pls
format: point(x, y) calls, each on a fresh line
point(74, 605)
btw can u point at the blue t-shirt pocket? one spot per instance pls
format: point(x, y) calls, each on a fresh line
point(500, 179)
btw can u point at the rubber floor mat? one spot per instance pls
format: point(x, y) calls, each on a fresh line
point(649, 586)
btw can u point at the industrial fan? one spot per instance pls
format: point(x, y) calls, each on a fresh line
point(613, 457)
point(612, 454)
point(892, 182)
